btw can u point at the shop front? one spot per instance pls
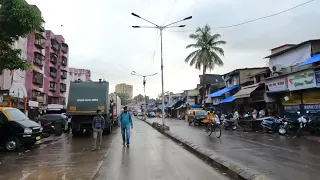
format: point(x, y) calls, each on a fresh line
point(275, 87)
point(311, 101)
point(291, 104)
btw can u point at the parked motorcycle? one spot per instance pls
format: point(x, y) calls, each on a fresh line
point(291, 125)
point(308, 123)
point(273, 124)
point(228, 122)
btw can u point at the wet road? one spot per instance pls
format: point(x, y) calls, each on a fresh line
point(68, 158)
point(153, 156)
point(278, 157)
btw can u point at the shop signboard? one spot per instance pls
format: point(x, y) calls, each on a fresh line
point(311, 97)
point(312, 108)
point(291, 99)
point(317, 77)
point(301, 80)
point(277, 84)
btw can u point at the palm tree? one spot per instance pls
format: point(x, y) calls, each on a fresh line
point(207, 49)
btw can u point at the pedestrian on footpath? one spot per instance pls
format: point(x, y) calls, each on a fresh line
point(97, 126)
point(69, 123)
point(125, 122)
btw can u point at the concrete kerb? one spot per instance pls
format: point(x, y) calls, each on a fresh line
point(231, 168)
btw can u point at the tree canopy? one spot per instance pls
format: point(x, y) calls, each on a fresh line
point(17, 19)
point(140, 98)
point(124, 98)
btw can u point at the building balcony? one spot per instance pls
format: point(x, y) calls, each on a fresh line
point(54, 58)
point(63, 87)
point(64, 61)
point(39, 43)
point(53, 72)
point(64, 48)
point(64, 74)
point(42, 28)
point(37, 78)
point(53, 100)
point(38, 59)
point(39, 34)
point(55, 45)
point(52, 86)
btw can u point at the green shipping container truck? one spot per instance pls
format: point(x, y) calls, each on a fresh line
point(85, 98)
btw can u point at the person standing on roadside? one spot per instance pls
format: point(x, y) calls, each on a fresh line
point(125, 122)
point(97, 126)
point(69, 123)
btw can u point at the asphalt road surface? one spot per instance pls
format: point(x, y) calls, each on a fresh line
point(152, 156)
point(278, 157)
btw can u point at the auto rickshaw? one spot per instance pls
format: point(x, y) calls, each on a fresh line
point(197, 117)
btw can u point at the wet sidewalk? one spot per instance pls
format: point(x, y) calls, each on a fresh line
point(151, 155)
point(278, 157)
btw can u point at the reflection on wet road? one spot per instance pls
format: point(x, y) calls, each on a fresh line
point(153, 156)
point(67, 158)
point(279, 157)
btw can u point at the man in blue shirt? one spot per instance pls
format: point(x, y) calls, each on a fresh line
point(125, 122)
point(97, 126)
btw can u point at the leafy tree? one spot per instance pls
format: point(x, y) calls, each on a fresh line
point(17, 19)
point(124, 98)
point(140, 98)
point(205, 56)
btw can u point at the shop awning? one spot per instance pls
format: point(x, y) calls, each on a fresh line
point(246, 91)
point(313, 59)
point(194, 106)
point(222, 91)
point(227, 100)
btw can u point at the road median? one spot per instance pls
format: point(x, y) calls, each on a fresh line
point(211, 157)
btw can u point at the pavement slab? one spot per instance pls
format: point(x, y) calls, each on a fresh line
point(153, 156)
point(274, 156)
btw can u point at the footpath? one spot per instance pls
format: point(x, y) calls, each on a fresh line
point(151, 155)
point(250, 154)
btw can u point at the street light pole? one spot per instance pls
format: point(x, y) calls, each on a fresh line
point(144, 84)
point(161, 28)
point(162, 84)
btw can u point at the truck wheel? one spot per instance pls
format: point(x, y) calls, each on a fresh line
point(13, 144)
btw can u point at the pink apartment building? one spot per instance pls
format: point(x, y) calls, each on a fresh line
point(45, 82)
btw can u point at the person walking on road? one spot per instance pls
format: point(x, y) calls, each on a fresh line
point(125, 122)
point(97, 126)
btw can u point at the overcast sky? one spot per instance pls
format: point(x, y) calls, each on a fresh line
point(101, 38)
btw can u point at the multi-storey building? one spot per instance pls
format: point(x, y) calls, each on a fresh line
point(56, 73)
point(77, 74)
point(125, 88)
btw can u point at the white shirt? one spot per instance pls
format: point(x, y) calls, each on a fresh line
point(69, 120)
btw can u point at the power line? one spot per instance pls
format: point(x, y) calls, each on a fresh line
point(257, 19)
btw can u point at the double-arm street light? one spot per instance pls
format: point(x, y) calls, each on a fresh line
point(144, 83)
point(161, 28)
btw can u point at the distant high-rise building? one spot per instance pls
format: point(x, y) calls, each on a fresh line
point(125, 88)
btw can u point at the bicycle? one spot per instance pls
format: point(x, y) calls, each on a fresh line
point(214, 126)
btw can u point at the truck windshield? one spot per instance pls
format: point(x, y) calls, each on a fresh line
point(16, 114)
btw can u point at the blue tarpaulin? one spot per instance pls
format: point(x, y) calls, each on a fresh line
point(222, 91)
point(313, 59)
point(194, 106)
point(227, 100)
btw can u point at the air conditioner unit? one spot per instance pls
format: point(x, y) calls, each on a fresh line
point(277, 70)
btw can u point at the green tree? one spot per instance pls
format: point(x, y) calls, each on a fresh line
point(206, 56)
point(140, 98)
point(17, 19)
point(124, 98)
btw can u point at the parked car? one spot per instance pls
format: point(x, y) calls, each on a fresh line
point(53, 123)
point(197, 116)
point(17, 130)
